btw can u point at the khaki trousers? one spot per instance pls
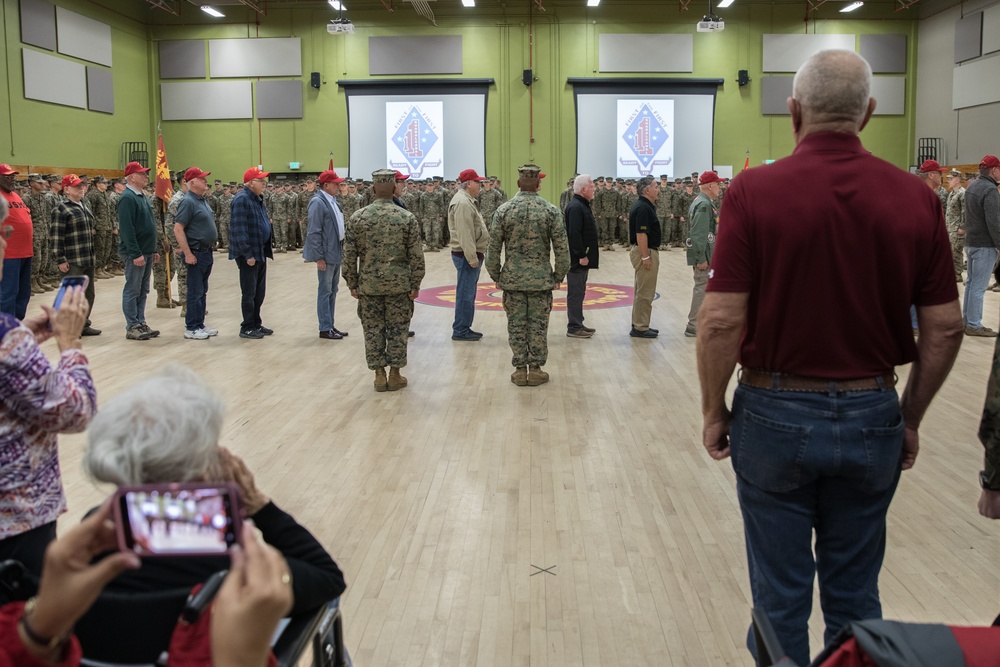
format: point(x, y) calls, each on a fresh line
point(645, 287)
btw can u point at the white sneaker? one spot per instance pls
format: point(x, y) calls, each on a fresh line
point(198, 334)
point(210, 331)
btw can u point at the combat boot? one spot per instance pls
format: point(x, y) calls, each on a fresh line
point(163, 301)
point(396, 381)
point(536, 376)
point(520, 376)
point(36, 287)
point(380, 381)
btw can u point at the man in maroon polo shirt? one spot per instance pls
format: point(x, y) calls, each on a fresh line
point(818, 323)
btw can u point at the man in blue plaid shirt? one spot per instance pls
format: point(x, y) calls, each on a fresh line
point(251, 244)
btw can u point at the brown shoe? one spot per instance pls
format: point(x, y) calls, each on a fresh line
point(984, 332)
point(396, 381)
point(536, 376)
point(520, 376)
point(380, 381)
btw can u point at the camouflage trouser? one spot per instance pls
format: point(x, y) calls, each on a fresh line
point(386, 323)
point(432, 232)
point(104, 248)
point(280, 228)
point(223, 225)
point(303, 225)
point(528, 326)
point(444, 235)
point(957, 254)
point(160, 278)
point(40, 260)
point(685, 231)
point(621, 231)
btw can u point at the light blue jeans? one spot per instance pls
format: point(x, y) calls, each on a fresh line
point(980, 266)
point(326, 295)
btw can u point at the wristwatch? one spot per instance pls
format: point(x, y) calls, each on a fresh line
point(989, 481)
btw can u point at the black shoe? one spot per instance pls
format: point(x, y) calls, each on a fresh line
point(331, 335)
point(251, 333)
point(648, 333)
point(90, 331)
point(588, 330)
point(342, 334)
point(468, 337)
point(656, 331)
point(475, 333)
point(263, 330)
point(411, 334)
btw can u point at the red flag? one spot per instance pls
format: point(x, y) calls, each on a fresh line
point(331, 164)
point(164, 188)
point(746, 165)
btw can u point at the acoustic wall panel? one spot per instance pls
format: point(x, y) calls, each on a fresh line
point(969, 37)
point(976, 83)
point(786, 53)
point(54, 79)
point(885, 53)
point(182, 59)
point(645, 53)
point(38, 24)
point(991, 29)
point(83, 37)
point(774, 94)
point(279, 99)
point(269, 56)
point(100, 90)
point(432, 54)
point(206, 100)
point(890, 95)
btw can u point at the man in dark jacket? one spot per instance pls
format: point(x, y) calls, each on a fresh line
point(251, 242)
point(584, 251)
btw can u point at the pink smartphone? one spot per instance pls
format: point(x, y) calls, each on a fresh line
point(194, 519)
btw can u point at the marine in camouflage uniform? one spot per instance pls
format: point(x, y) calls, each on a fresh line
point(176, 263)
point(225, 214)
point(383, 267)
point(955, 221)
point(53, 198)
point(279, 218)
point(431, 216)
point(625, 202)
point(489, 201)
point(103, 240)
point(308, 192)
point(682, 203)
point(40, 215)
point(348, 203)
point(664, 211)
point(528, 229)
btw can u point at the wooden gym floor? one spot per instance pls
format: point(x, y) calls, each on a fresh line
point(580, 522)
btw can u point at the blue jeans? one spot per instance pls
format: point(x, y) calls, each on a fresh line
point(980, 266)
point(465, 295)
point(823, 464)
point(135, 290)
point(198, 274)
point(15, 287)
point(326, 295)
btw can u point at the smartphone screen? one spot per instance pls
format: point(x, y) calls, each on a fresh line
point(67, 282)
point(178, 519)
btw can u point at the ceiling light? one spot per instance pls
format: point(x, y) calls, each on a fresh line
point(212, 11)
point(724, 3)
point(336, 4)
point(593, 3)
point(468, 3)
point(851, 7)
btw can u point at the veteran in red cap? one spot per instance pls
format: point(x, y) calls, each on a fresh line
point(930, 173)
point(469, 239)
point(71, 240)
point(324, 245)
point(982, 236)
point(15, 287)
point(138, 249)
point(251, 244)
point(704, 217)
point(196, 232)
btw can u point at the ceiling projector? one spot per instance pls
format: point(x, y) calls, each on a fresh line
point(711, 23)
point(340, 27)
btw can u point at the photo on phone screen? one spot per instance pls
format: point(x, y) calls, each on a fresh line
point(67, 282)
point(176, 520)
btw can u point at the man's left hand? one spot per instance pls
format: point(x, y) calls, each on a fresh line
point(702, 266)
point(989, 504)
point(354, 292)
point(911, 445)
point(156, 258)
point(715, 437)
point(414, 293)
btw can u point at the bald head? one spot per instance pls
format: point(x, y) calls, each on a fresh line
point(833, 88)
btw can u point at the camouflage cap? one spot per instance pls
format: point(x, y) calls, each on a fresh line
point(54, 178)
point(36, 178)
point(529, 170)
point(688, 180)
point(599, 179)
point(100, 179)
point(384, 176)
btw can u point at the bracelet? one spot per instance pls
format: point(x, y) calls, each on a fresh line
point(46, 643)
point(643, 259)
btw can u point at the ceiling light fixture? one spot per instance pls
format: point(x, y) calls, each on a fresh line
point(212, 11)
point(851, 7)
point(593, 3)
point(723, 4)
point(468, 3)
point(336, 4)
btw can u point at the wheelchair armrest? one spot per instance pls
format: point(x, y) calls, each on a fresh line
point(16, 583)
point(320, 632)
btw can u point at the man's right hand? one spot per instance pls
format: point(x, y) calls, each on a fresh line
point(321, 264)
point(251, 261)
point(64, 267)
point(189, 258)
point(584, 261)
point(989, 504)
point(911, 445)
point(715, 437)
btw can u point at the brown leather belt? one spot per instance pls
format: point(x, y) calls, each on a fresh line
point(786, 382)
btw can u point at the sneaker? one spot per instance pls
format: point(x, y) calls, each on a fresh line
point(250, 333)
point(588, 330)
point(136, 332)
point(210, 331)
point(984, 332)
point(648, 333)
point(197, 334)
point(690, 331)
point(265, 331)
point(153, 333)
point(579, 333)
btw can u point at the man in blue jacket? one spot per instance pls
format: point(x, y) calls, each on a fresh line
point(251, 244)
point(324, 245)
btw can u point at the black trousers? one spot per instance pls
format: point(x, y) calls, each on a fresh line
point(29, 547)
point(576, 289)
point(77, 270)
point(253, 284)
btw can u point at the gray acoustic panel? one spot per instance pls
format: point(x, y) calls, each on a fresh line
point(54, 79)
point(774, 94)
point(100, 90)
point(645, 53)
point(786, 53)
point(885, 53)
point(83, 37)
point(38, 24)
point(890, 95)
point(976, 83)
point(268, 56)
point(969, 37)
point(991, 29)
point(279, 99)
point(430, 54)
point(182, 59)
point(206, 100)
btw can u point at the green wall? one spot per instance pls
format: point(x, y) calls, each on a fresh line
point(495, 46)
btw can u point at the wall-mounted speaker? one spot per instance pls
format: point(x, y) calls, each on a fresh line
point(314, 80)
point(743, 77)
point(527, 77)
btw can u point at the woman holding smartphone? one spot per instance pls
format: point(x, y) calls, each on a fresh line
point(37, 401)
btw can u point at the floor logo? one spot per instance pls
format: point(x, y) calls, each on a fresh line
point(490, 297)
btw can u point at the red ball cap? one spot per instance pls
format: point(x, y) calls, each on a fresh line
point(254, 172)
point(400, 176)
point(7, 170)
point(927, 166)
point(989, 161)
point(135, 168)
point(71, 180)
point(469, 175)
point(194, 172)
point(708, 177)
point(330, 176)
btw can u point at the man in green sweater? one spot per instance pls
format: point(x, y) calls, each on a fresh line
point(137, 247)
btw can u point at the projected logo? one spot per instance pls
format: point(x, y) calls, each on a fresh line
point(414, 143)
point(645, 137)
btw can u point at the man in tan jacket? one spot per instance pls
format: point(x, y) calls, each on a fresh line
point(469, 239)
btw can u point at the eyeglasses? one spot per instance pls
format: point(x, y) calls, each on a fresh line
point(6, 231)
point(257, 180)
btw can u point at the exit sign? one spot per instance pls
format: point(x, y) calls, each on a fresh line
point(294, 165)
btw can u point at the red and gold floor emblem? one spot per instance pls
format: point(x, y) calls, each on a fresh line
point(490, 297)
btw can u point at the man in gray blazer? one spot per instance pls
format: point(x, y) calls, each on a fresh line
point(324, 245)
